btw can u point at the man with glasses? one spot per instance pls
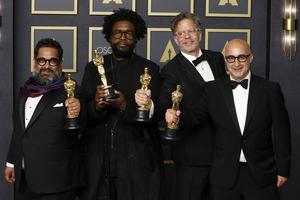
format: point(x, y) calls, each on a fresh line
point(43, 160)
point(122, 156)
point(252, 145)
point(190, 68)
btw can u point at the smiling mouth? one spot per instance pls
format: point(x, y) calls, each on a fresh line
point(237, 69)
point(189, 43)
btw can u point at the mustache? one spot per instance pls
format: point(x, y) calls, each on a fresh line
point(46, 69)
point(126, 53)
point(45, 80)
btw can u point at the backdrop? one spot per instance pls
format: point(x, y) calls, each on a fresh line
point(77, 25)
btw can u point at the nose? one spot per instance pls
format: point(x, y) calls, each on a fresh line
point(46, 66)
point(236, 62)
point(123, 36)
point(186, 35)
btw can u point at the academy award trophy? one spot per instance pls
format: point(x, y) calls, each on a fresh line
point(99, 63)
point(142, 111)
point(71, 121)
point(171, 133)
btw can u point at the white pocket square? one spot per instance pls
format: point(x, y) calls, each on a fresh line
point(58, 105)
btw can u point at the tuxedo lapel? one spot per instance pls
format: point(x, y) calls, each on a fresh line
point(189, 69)
point(228, 96)
point(47, 99)
point(254, 93)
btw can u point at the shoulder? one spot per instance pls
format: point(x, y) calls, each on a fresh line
point(173, 63)
point(264, 81)
point(218, 84)
point(145, 62)
point(211, 53)
point(90, 65)
point(268, 85)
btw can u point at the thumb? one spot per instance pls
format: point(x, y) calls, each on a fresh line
point(148, 93)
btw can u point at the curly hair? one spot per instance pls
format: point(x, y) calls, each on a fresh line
point(49, 42)
point(128, 15)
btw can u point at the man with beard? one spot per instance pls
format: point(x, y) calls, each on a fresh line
point(43, 159)
point(122, 156)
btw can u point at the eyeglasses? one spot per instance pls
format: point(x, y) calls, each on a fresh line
point(52, 61)
point(240, 58)
point(127, 34)
point(187, 32)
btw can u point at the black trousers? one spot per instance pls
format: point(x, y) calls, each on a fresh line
point(25, 193)
point(245, 188)
point(192, 182)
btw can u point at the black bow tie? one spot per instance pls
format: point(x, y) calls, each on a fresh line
point(198, 60)
point(243, 83)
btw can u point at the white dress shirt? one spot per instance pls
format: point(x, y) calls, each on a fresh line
point(30, 106)
point(240, 96)
point(203, 67)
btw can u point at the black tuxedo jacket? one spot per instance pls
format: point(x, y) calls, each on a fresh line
point(51, 155)
point(195, 146)
point(266, 137)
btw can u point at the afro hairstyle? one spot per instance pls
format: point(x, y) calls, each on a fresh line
point(127, 15)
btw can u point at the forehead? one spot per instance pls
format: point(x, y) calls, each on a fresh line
point(185, 23)
point(123, 25)
point(236, 49)
point(48, 52)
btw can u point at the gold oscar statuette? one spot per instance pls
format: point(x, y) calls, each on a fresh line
point(98, 61)
point(172, 130)
point(71, 121)
point(143, 111)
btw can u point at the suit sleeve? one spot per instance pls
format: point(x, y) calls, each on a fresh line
point(281, 131)
point(12, 147)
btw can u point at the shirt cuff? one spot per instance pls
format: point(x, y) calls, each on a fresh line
point(151, 110)
point(10, 165)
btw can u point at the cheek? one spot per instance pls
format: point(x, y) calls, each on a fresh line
point(246, 69)
point(112, 40)
point(199, 37)
point(176, 41)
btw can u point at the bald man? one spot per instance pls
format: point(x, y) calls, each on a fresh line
point(252, 145)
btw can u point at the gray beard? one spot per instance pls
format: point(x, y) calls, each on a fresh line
point(45, 81)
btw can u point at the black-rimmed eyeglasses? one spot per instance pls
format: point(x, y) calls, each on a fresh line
point(52, 61)
point(127, 34)
point(240, 58)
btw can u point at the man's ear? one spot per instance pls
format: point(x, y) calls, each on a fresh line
point(200, 36)
point(251, 57)
point(176, 40)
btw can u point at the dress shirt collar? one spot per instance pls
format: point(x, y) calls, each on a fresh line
point(190, 57)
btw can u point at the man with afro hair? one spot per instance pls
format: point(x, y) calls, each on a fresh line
point(122, 156)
